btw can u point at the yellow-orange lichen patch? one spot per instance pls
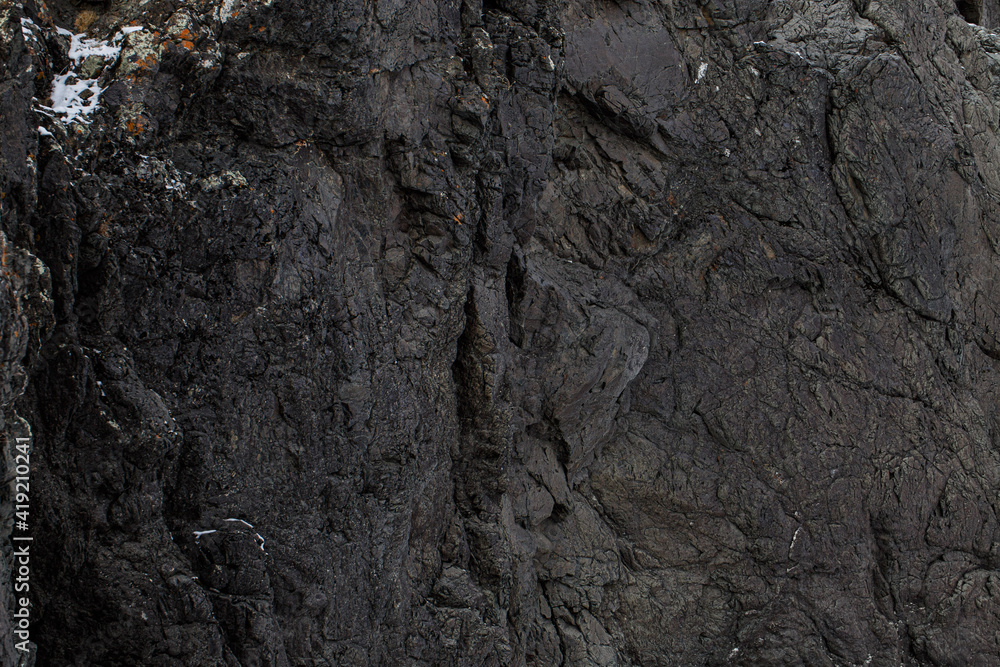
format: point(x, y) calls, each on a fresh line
point(135, 125)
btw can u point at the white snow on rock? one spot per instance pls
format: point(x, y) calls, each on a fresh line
point(26, 26)
point(702, 68)
point(128, 30)
point(67, 99)
point(69, 91)
point(82, 47)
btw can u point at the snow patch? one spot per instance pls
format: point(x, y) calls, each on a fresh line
point(82, 47)
point(702, 68)
point(128, 30)
point(27, 25)
point(248, 525)
point(199, 533)
point(45, 133)
point(74, 98)
point(69, 99)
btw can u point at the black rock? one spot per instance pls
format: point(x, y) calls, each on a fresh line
point(504, 333)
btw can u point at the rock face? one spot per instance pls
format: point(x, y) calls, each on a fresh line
point(503, 332)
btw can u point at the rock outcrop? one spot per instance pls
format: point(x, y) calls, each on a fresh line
point(503, 332)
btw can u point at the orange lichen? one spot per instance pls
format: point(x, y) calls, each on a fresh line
point(135, 125)
point(189, 45)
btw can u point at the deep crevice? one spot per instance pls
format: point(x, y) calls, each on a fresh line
point(970, 10)
point(514, 290)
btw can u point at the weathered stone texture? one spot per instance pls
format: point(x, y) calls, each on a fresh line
point(506, 332)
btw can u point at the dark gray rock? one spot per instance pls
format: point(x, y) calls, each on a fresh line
point(505, 333)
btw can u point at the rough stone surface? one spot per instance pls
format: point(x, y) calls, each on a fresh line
point(505, 332)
